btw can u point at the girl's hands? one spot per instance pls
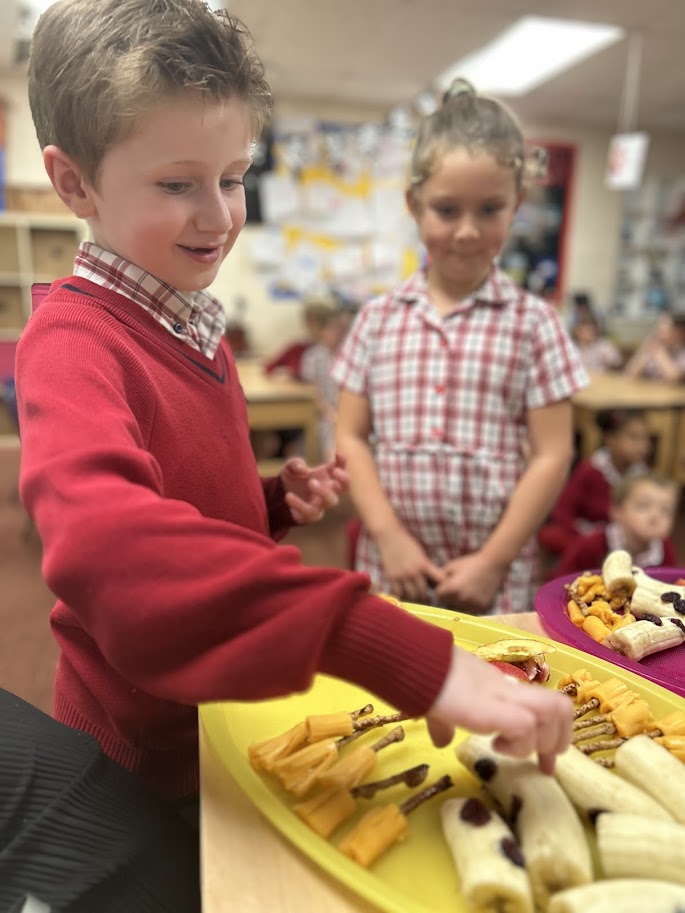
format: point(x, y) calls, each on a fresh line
point(311, 491)
point(527, 719)
point(470, 584)
point(407, 565)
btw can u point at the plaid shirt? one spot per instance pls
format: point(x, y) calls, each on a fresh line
point(197, 318)
point(449, 398)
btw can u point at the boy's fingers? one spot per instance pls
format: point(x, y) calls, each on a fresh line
point(546, 763)
point(441, 733)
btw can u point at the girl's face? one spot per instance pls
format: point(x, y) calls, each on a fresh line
point(630, 444)
point(463, 212)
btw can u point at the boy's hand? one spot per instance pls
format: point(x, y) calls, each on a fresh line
point(310, 492)
point(527, 718)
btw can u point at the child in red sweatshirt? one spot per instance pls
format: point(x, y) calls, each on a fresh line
point(584, 505)
point(159, 536)
point(642, 514)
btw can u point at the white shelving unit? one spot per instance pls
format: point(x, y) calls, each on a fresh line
point(33, 248)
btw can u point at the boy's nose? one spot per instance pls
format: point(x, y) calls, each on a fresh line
point(213, 215)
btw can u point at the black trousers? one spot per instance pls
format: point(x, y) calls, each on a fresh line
point(80, 834)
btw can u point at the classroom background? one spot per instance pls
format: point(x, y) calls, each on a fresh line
point(327, 219)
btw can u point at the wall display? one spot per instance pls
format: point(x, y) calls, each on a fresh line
point(651, 263)
point(534, 256)
point(334, 211)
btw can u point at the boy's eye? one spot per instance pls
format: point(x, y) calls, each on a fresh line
point(174, 186)
point(491, 209)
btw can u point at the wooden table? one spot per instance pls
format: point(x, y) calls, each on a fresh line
point(278, 402)
point(664, 405)
point(248, 867)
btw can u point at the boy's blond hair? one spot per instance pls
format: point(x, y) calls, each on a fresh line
point(627, 485)
point(98, 66)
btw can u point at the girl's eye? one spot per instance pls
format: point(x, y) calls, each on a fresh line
point(174, 186)
point(491, 209)
point(230, 183)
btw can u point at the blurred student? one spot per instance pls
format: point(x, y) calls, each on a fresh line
point(642, 514)
point(585, 503)
point(288, 361)
point(579, 307)
point(662, 355)
point(596, 351)
point(446, 376)
point(283, 443)
point(317, 363)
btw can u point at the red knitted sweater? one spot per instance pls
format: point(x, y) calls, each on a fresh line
point(158, 539)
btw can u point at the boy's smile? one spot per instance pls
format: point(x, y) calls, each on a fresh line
point(170, 197)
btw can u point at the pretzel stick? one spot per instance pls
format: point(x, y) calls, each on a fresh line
point(414, 776)
point(329, 808)
point(385, 825)
point(351, 770)
point(602, 745)
point(264, 754)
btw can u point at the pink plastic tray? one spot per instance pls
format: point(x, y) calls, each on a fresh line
point(666, 668)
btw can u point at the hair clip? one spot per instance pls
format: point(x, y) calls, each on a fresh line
point(458, 86)
point(535, 164)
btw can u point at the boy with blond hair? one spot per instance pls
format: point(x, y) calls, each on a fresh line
point(158, 533)
point(643, 509)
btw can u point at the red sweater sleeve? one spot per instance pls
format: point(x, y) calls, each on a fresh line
point(670, 556)
point(586, 554)
point(586, 496)
point(186, 606)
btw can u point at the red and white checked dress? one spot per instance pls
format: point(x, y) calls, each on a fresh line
point(449, 398)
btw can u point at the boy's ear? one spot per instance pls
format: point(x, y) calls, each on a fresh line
point(71, 185)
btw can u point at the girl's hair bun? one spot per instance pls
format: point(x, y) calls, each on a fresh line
point(458, 86)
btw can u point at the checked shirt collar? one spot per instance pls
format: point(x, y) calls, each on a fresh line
point(196, 318)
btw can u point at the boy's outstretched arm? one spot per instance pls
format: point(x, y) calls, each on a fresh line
point(526, 718)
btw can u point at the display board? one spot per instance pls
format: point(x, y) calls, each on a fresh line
point(535, 254)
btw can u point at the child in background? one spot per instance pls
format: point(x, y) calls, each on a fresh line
point(159, 537)
point(317, 363)
point(662, 355)
point(642, 514)
point(289, 360)
point(585, 503)
point(596, 351)
point(451, 374)
point(286, 442)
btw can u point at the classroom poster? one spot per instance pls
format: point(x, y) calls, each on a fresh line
point(334, 212)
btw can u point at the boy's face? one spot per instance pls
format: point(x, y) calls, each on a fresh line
point(647, 513)
point(170, 197)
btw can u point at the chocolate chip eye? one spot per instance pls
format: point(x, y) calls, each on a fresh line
point(475, 812)
point(485, 768)
point(512, 851)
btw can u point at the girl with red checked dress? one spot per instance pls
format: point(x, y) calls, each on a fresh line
point(454, 412)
